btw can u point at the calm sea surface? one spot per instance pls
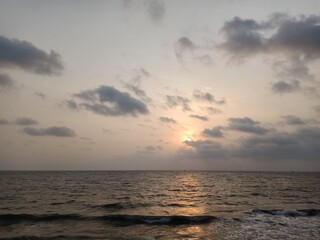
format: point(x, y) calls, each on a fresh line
point(159, 205)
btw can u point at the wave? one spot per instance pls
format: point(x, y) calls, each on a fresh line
point(159, 220)
point(288, 213)
point(113, 219)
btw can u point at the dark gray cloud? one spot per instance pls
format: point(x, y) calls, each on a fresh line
point(175, 101)
point(294, 39)
point(242, 38)
point(4, 121)
point(51, 131)
point(206, 149)
point(246, 125)
point(213, 132)
point(22, 54)
point(197, 94)
point(293, 120)
point(6, 82)
point(108, 101)
point(302, 144)
point(24, 121)
point(156, 10)
point(167, 120)
point(292, 36)
point(286, 86)
point(202, 118)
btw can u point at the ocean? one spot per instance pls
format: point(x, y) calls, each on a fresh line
point(159, 205)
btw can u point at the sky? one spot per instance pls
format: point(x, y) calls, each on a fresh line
point(160, 85)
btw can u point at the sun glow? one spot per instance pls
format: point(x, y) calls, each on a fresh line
point(187, 136)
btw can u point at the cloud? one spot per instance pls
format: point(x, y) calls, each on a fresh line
point(4, 121)
point(302, 144)
point(40, 95)
point(182, 46)
point(202, 118)
point(51, 131)
point(167, 120)
point(206, 149)
point(317, 108)
point(286, 87)
point(156, 10)
point(293, 120)
point(213, 132)
point(246, 125)
point(205, 60)
point(22, 54)
point(212, 110)
point(138, 91)
point(197, 94)
point(24, 121)
point(151, 149)
point(108, 101)
point(174, 101)
point(71, 104)
point(294, 39)
point(6, 82)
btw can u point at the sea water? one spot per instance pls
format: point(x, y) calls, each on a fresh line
point(159, 205)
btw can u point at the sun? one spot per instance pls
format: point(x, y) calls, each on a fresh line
point(187, 139)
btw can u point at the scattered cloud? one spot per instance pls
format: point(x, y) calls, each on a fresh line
point(205, 60)
point(202, 118)
point(182, 46)
point(24, 121)
point(174, 101)
point(167, 120)
point(71, 104)
point(6, 82)
point(109, 101)
point(156, 10)
point(286, 86)
point(293, 120)
point(208, 97)
point(213, 132)
point(40, 95)
point(294, 39)
point(212, 110)
point(4, 121)
point(151, 149)
point(24, 55)
point(51, 131)
point(246, 125)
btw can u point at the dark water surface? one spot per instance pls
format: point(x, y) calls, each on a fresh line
point(159, 205)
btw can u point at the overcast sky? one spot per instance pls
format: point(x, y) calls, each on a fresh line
point(154, 84)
